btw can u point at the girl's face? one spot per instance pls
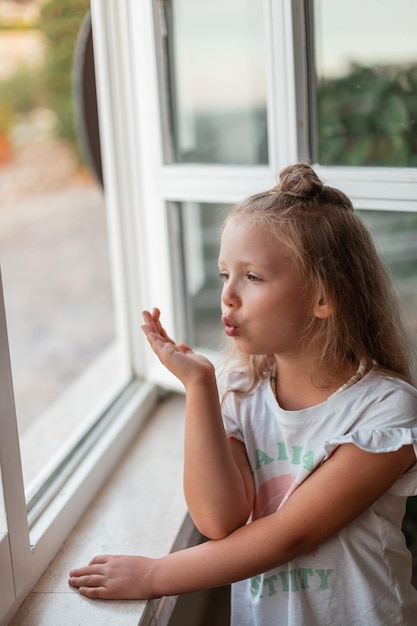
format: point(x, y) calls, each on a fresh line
point(264, 302)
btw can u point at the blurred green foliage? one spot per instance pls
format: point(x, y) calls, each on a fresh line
point(23, 90)
point(369, 117)
point(48, 86)
point(60, 23)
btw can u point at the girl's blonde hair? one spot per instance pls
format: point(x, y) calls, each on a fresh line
point(337, 257)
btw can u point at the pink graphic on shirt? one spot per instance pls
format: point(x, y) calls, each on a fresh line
point(272, 493)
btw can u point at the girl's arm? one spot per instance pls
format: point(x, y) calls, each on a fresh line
point(332, 497)
point(218, 483)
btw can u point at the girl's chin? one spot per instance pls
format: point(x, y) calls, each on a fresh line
point(246, 347)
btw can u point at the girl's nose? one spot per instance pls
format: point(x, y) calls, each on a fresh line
point(230, 296)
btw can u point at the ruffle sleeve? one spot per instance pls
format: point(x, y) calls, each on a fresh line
point(382, 440)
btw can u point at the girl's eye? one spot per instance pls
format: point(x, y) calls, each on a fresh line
point(223, 276)
point(254, 279)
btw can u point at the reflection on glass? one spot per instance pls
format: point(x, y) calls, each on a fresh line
point(53, 239)
point(200, 240)
point(366, 82)
point(216, 66)
point(395, 237)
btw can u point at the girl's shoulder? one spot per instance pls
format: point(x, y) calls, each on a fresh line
point(379, 382)
point(380, 398)
point(378, 414)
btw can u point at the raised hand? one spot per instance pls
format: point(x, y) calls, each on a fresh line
point(178, 358)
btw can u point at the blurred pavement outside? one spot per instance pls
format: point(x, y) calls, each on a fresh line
point(55, 270)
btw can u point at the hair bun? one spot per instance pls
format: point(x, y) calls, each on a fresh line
point(300, 181)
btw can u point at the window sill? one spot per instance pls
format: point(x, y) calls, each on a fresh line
point(140, 510)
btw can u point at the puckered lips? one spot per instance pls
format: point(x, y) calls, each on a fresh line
point(229, 327)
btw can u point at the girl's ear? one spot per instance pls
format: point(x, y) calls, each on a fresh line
point(323, 308)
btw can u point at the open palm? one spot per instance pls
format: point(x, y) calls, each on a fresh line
point(178, 358)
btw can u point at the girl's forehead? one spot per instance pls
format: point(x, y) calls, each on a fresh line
point(244, 238)
point(237, 225)
point(237, 229)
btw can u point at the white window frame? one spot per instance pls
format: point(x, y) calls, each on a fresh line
point(14, 538)
point(138, 188)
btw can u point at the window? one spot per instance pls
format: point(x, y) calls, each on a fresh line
point(219, 70)
point(70, 268)
point(215, 80)
point(361, 120)
point(66, 353)
point(181, 144)
point(395, 236)
point(364, 92)
point(198, 227)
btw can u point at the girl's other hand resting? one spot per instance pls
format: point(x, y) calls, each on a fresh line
point(110, 577)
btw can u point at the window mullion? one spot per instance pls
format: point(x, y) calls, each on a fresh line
point(201, 183)
point(282, 125)
point(378, 188)
point(151, 212)
point(111, 48)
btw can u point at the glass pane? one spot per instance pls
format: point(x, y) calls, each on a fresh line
point(366, 82)
point(66, 359)
point(201, 230)
point(217, 81)
point(395, 237)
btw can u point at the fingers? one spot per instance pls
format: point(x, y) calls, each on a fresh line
point(91, 588)
point(95, 593)
point(113, 577)
point(101, 559)
point(154, 331)
point(153, 324)
point(89, 583)
point(90, 580)
point(178, 358)
point(152, 317)
point(95, 566)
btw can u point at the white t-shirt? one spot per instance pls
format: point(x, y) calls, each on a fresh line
point(362, 575)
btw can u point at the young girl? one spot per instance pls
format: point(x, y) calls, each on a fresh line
point(299, 475)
